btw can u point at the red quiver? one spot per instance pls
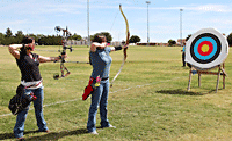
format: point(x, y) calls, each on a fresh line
point(88, 89)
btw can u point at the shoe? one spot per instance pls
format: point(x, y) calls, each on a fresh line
point(21, 139)
point(47, 131)
point(94, 132)
point(110, 126)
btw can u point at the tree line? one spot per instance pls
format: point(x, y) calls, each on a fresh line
point(9, 38)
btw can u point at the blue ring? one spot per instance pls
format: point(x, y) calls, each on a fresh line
point(214, 43)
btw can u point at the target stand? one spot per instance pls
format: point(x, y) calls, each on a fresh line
point(221, 71)
point(206, 50)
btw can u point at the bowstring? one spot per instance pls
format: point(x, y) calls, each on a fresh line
point(123, 61)
point(114, 20)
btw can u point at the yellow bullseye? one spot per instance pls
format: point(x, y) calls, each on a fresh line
point(205, 48)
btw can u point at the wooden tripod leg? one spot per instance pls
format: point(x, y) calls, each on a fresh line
point(224, 76)
point(189, 79)
point(218, 79)
point(199, 80)
point(224, 83)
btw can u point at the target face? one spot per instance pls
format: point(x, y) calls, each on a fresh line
point(206, 49)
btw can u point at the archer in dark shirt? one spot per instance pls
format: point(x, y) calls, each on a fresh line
point(31, 79)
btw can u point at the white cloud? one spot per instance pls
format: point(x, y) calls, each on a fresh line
point(216, 8)
point(205, 8)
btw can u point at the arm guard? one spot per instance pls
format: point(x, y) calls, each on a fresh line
point(118, 48)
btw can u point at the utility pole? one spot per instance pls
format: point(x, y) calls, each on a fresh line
point(88, 40)
point(148, 36)
point(181, 44)
point(181, 27)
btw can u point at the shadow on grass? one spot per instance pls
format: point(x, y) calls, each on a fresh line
point(47, 136)
point(185, 92)
point(99, 127)
point(179, 91)
point(5, 136)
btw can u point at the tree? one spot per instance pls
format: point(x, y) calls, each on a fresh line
point(19, 37)
point(9, 39)
point(229, 39)
point(76, 37)
point(171, 42)
point(35, 37)
point(134, 39)
point(108, 36)
point(91, 37)
point(39, 38)
point(2, 38)
point(8, 32)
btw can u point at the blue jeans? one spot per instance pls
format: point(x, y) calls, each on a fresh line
point(100, 96)
point(38, 104)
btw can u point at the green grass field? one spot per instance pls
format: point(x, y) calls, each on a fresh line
point(148, 101)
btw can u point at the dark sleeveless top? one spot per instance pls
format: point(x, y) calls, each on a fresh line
point(29, 67)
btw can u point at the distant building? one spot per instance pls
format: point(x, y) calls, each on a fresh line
point(154, 44)
point(162, 44)
point(75, 42)
point(178, 42)
point(85, 38)
point(116, 43)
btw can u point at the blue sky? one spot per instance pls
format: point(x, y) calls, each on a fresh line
point(41, 16)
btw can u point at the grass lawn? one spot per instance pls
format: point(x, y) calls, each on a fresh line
point(148, 101)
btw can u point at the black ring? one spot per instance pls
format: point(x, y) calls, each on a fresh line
point(219, 48)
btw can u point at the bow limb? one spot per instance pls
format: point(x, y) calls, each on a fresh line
point(127, 30)
point(127, 42)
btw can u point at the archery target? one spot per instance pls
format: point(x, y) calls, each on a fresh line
point(206, 49)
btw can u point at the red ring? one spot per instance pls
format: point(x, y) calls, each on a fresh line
point(207, 53)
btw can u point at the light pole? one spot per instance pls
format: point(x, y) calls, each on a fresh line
point(181, 27)
point(88, 41)
point(183, 50)
point(148, 38)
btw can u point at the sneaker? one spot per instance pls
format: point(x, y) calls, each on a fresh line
point(110, 126)
point(94, 132)
point(47, 131)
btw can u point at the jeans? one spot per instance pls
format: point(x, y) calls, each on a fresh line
point(100, 96)
point(38, 105)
